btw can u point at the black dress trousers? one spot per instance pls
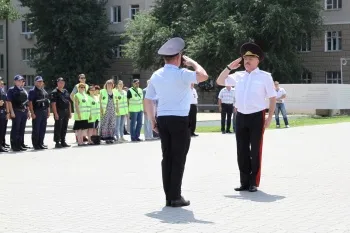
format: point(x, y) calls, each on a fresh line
point(193, 118)
point(249, 137)
point(226, 114)
point(175, 139)
point(61, 125)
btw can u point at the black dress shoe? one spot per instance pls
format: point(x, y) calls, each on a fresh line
point(194, 135)
point(37, 148)
point(223, 132)
point(2, 149)
point(22, 149)
point(253, 188)
point(43, 146)
point(168, 203)
point(57, 145)
point(16, 149)
point(64, 144)
point(180, 202)
point(5, 145)
point(228, 131)
point(25, 146)
point(242, 188)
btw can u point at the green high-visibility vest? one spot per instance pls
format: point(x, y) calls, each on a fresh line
point(84, 107)
point(86, 87)
point(95, 108)
point(122, 101)
point(136, 101)
point(104, 99)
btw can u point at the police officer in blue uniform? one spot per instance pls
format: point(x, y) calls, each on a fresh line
point(172, 87)
point(62, 111)
point(4, 115)
point(39, 107)
point(17, 100)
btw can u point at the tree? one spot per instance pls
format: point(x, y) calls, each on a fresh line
point(72, 38)
point(7, 11)
point(214, 30)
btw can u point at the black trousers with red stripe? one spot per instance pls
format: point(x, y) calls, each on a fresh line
point(249, 137)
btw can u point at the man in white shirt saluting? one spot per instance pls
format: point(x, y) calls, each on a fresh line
point(252, 87)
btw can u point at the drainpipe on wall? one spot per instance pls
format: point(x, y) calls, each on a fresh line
point(7, 52)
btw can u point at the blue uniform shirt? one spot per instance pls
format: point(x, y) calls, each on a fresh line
point(172, 87)
point(11, 92)
point(32, 94)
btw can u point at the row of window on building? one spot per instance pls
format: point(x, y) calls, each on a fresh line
point(333, 42)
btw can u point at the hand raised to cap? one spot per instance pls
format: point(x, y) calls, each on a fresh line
point(235, 64)
point(188, 61)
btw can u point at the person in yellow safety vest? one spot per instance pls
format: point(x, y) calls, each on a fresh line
point(122, 102)
point(94, 119)
point(135, 99)
point(108, 111)
point(82, 79)
point(81, 113)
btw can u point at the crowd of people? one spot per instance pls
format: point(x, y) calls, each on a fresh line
point(100, 114)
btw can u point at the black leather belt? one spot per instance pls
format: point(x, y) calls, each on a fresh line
point(20, 110)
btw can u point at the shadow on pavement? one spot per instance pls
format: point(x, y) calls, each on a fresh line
point(258, 196)
point(176, 216)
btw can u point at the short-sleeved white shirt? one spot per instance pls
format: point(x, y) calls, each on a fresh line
point(172, 86)
point(251, 90)
point(279, 93)
point(227, 96)
point(194, 96)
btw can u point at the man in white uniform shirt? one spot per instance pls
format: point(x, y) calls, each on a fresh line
point(252, 87)
point(193, 111)
point(280, 107)
point(172, 86)
point(226, 102)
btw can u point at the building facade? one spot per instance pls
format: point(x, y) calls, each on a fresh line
point(324, 57)
point(17, 40)
point(327, 57)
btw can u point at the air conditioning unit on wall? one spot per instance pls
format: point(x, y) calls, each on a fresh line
point(28, 36)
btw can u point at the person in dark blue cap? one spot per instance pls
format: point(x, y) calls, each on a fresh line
point(39, 107)
point(171, 86)
point(17, 100)
point(253, 86)
point(4, 116)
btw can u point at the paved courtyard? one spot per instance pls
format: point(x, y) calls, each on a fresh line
point(117, 188)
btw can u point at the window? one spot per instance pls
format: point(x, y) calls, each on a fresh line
point(25, 27)
point(119, 51)
point(333, 77)
point(27, 54)
point(305, 44)
point(2, 61)
point(1, 32)
point(306, 77)
point(333, 4)
point(29, 80)
point(134, 9)
point(333, 41)
point(116, 14)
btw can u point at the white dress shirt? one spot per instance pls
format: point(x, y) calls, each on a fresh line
point(194, 96)
point(227, 96)
point(252, 89)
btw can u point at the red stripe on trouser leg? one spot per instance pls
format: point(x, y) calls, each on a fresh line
point(258, 175)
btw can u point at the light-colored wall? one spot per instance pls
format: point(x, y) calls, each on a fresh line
point(341, 16)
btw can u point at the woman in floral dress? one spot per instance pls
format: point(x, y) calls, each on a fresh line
point(109, 109)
